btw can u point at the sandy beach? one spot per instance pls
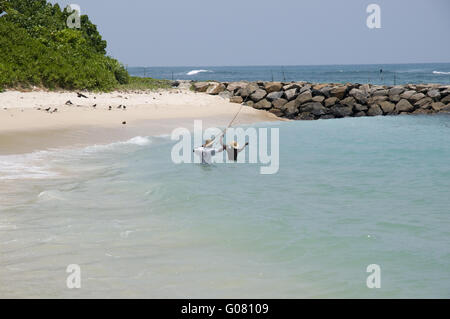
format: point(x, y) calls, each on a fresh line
point(29, 122)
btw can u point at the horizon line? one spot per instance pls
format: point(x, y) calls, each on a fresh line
point(277, 65)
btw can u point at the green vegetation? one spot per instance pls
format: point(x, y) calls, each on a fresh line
point(137, 83)
point(37, 48)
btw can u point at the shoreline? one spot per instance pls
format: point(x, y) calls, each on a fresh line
point(26, 126)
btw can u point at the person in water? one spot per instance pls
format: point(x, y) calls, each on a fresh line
point(206, 151)
point(232, 149)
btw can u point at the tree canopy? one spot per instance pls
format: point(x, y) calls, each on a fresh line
point(38, 48)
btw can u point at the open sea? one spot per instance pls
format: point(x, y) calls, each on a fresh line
point(390, 74)
point(349, 193)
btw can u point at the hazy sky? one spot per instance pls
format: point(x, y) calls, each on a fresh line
point(263, 32)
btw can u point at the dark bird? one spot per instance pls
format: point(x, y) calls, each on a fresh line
point(48, 109)
point(69, 102)
point(120, 106)
point(81, 95)
point(55, 110)
point(124, 107)
point(109, 108)
point(94, 105)
point(124, 122)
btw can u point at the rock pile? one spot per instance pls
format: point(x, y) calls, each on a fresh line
point(311, 101)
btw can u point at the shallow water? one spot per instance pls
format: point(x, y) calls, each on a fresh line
point(349, 193)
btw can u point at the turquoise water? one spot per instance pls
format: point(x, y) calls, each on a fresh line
point(366, 73)
point(349, 193)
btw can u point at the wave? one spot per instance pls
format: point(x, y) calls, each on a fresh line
point(137, 140)
point(441, 72)
point(46, 164)
point(194, 72)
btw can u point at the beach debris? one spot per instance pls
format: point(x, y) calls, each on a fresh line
point(38, 109)
point(55, 110)
point(81, 95)
point(48, 109)
point(120, 106)
point(69, 102)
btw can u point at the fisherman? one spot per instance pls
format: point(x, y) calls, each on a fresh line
point(206, 151)
point(232, 149)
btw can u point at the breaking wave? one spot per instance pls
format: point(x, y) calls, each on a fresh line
point(441, 72)
point(194, 72)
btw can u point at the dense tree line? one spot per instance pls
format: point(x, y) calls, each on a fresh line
point(38, 48)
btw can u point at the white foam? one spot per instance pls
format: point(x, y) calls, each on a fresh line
point(194, 72)
point(441, 72)
point(41, 164)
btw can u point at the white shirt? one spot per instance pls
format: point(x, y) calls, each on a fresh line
point(232, 152)
point(206, 153)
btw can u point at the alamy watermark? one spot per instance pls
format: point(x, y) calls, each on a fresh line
point(374, 279)
point(74, 279)
point(213, 144)
point(374, 19)
point(74, 19)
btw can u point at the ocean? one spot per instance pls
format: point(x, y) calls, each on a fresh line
point(349, 193)
point(391, 74)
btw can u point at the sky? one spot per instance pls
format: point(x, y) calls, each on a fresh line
point(268, 32)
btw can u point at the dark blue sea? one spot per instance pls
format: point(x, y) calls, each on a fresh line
point(388, 74)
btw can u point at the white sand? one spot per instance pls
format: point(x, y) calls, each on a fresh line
point(26, 126)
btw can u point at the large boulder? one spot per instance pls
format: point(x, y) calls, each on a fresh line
point(226, 94)
point(273, 86)
point(304, 97)
point(340, 110)
point(236, 99)
point(338, 91)
point(331, 101)
point(233, 86)
point(274, 96)
point(374, 110)
point(446, 99)
point(304, 88)
point(247, 90)
point(326, 91)
point(263, 104)
point(279, 103)
point(277, 112)
point(434, 94)
point(387, 107)
point(360, 107)
point(394, 98)
point(291, 94)
point(396, 90)
point(348, 101)
point(360, 95)
point(291, 108)
point(315, 108)
point(404, 106)
point(407, 94)
point(215, 88)
point(258, 95)
point(416, 97)
point(424, 103)
point(380, 92)
point(201, 86)
point(318, 98)
point(437, 106)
